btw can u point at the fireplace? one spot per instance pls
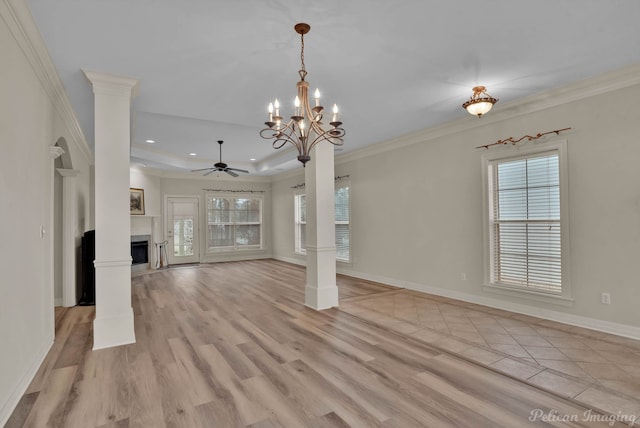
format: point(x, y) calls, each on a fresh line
point(140, 249)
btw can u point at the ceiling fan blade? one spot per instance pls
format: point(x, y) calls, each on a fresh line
point(201, 169)
point(210, 172)
point(231, 173)
point(239, 170)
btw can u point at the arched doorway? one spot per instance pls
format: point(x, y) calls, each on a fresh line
point(65, 225)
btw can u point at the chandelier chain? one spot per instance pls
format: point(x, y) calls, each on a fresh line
point(303, 70)
point(302, 52)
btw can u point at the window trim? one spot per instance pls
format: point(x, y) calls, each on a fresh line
point(301, 251)
point(338, 185)
point(234, 248)
point(504, 153)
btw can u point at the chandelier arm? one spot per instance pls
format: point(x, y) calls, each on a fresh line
point(335, 137)
point(283, 135)
point(317, 128)
point(292, 135)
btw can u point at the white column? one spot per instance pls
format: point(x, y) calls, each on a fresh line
point(113, 325)
point(69, 224)
point(321, 291)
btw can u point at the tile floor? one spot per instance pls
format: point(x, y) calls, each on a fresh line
point(597, 369)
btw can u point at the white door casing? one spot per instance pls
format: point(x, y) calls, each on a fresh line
point(182, 229)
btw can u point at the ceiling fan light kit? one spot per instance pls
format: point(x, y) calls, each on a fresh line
point(480, 102)
point(220, 166)
point(305, 128)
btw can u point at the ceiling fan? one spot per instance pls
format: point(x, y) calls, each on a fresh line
point(220, 166)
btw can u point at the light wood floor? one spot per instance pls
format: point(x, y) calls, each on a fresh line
point(231, 345)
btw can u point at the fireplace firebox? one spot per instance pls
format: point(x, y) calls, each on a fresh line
point(139, 249)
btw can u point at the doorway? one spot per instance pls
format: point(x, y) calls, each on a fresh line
point(182, 230)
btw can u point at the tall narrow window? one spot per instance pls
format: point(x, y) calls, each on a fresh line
point(525, 228)
point(343, 234)
point(301, 223)
point(342, 222)
point(233, 223)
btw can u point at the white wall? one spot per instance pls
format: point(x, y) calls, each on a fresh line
point(151, 185)
point(417, 218)
point(30, 123)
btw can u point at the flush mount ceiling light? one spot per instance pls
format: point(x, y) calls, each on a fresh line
point(480, 102)
point(305, 128)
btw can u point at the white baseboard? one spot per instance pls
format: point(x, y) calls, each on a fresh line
point(234, 257)
point(624, 330)
point(291, 260)
point(9, 406)
point(57, 301)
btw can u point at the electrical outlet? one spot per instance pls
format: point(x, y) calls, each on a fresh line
point(463, 276)
point(606, 298)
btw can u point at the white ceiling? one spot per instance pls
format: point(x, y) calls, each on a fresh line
point(208, 68)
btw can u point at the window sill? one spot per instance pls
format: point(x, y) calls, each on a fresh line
point(234, 250)
point(530, 295)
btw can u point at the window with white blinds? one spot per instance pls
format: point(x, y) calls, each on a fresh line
point(301, 223)
point(342, 222)
point(233, 222)
point(525, 222)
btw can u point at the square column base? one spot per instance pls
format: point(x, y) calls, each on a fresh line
point(113, 331)
point(114, 322)
point(320, 298)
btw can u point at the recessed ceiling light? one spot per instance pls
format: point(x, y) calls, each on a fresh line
point(252, 159)
point(192, 154)
point(150, 141)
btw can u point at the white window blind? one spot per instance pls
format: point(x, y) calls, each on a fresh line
point(301, 223)
point(342, 223)
point(233, 222)
point(525, 223)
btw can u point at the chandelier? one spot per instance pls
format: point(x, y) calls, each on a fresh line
point(480, 102)
point(305, 128)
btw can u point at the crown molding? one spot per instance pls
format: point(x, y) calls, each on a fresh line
point(55, 152)
point(17, 15)
point(112, 84)
point(586, 88)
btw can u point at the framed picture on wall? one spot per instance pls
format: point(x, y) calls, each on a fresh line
point(136, 197)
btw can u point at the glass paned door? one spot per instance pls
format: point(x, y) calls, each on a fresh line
point(182, 236)
point(182, 230)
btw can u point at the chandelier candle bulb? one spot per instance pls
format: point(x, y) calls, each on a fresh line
point(296, 103)
point(317, 97)
point(270, 112)
point(335, 113)
point(276, 104)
